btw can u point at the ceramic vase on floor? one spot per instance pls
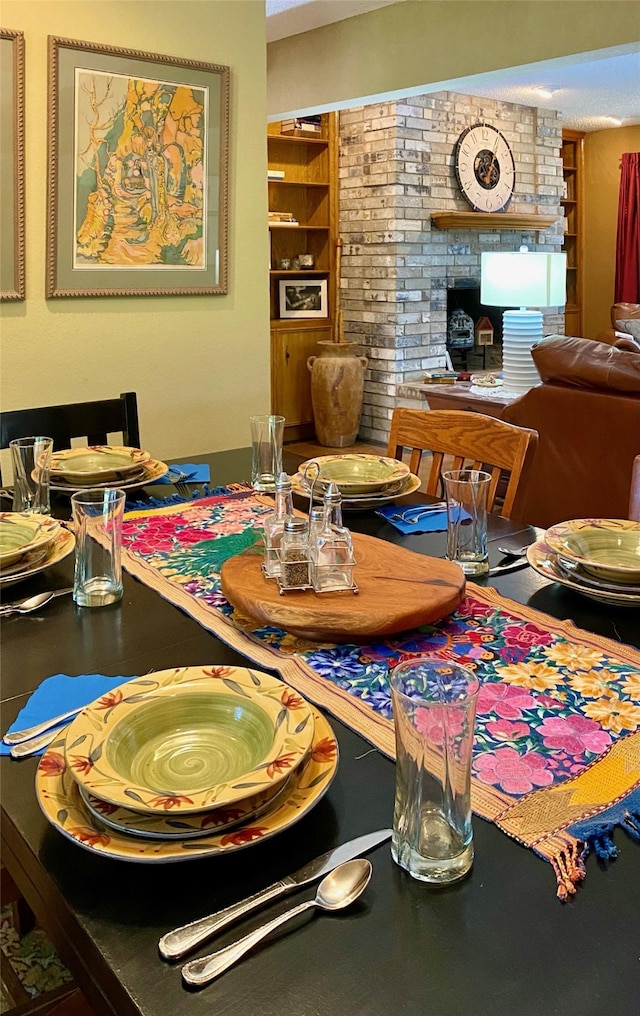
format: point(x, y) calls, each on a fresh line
point(337, 386)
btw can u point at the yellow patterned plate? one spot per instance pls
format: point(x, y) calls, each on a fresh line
point(60, 547)
point(198, 738)
point(97, 463)
point(182, 827)
point(606, 548)
point(360, 502)
point(21, 532)
point(356, 474)
point(59, 798)
point(152, 470)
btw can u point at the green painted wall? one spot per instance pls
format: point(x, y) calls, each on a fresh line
point(398, 49)
point(200, 364)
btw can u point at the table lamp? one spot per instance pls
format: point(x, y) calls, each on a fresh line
point(522, 279)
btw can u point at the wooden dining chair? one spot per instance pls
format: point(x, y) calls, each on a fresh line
point(468, 441)
point(91, 420)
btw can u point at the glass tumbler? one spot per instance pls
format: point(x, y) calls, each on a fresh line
point(434, 704)
point(31, 464)
point(97, 515)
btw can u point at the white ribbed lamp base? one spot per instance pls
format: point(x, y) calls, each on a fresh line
point(520, 329)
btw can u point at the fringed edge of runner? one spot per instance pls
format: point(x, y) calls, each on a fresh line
point(195, 495)
point(566, 855)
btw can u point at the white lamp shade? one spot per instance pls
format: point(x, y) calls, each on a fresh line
point(523, 279)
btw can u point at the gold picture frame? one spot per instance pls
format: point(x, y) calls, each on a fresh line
point(12, 190)
point(138, 162)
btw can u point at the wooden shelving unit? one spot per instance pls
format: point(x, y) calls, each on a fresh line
point(573, 172)
point(308, 191)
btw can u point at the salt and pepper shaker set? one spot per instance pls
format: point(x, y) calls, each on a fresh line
point(308, 554)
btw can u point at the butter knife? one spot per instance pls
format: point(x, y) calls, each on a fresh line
point(176, 943)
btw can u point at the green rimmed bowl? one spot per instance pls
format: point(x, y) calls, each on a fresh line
point(189, 740)
point(605, 548)
point(22, 533)
point(356, 474)
point(97, 463)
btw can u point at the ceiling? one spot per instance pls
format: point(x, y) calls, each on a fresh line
point(592, 91)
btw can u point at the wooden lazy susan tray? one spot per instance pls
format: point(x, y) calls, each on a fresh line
point(398, 590)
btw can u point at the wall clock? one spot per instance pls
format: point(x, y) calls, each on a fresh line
point(485, 168)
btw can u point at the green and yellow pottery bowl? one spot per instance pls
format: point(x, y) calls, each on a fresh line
point(189, 739)
point(606, 548)
point(354, 473)
point(22, 533)
point(97, 463)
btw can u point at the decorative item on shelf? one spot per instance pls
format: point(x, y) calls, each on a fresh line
point(285, 264)
point(440, 377)
point(306, 299)
point(274, 526)
point(460, 330)
point(484, 332)
point(282, 219)
point(337, 382)
point(484, 167)
point(517, 279)
point(306, 126)
point(306, 260)
point(275, 174)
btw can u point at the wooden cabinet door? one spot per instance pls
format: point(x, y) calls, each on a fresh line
point(290, 376)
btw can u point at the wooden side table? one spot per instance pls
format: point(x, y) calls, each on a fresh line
point(459, 396)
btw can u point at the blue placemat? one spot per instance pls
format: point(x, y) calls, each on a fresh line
point(430, 522)
point(58, 694)
point(194, 472)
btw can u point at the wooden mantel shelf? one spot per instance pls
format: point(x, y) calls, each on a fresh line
point(492, 220)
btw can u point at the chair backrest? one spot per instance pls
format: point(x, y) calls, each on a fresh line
point(634, 494)
point(474, 441)
point(90, 420)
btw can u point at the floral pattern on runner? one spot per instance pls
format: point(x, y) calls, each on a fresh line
point(554, 702)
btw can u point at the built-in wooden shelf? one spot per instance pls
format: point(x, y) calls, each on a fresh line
point(492, 220)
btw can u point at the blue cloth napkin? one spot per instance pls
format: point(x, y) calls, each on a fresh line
point(58, 694)
point(196, 472)
point(430, 522)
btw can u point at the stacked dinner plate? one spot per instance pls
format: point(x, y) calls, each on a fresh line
point(187, 763)
point(29, 543)
point(365, 481)
point(599, 558)
point(103, 466)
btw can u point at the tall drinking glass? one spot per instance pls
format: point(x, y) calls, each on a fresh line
point(467, 491)
point(267, 433)
point(31, 463)
point(97, 515)
point(434, 703)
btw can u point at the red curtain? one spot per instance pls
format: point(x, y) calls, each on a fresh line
point(627, 285)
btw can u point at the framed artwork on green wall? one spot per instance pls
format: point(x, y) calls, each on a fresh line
point(12, 225)
point(138, 165)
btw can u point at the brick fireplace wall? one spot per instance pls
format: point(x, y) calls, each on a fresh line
point(396, 168)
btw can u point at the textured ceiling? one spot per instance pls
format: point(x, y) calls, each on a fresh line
point(587, 90)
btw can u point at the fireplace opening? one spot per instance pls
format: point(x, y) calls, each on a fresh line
point(467, 350)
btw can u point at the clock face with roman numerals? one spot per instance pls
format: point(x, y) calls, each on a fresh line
point(485, 168)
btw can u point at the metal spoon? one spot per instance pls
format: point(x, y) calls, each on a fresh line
point(521, 552)
point(32, 602)
point(338, 889)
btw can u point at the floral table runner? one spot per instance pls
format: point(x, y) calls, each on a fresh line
point(556, 759)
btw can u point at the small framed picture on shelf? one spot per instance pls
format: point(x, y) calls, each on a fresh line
point(303, 298)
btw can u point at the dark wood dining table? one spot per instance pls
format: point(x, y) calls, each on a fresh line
point(498, 943)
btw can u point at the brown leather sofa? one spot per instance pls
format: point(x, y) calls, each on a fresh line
point(616, 335)
point(587, 414)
